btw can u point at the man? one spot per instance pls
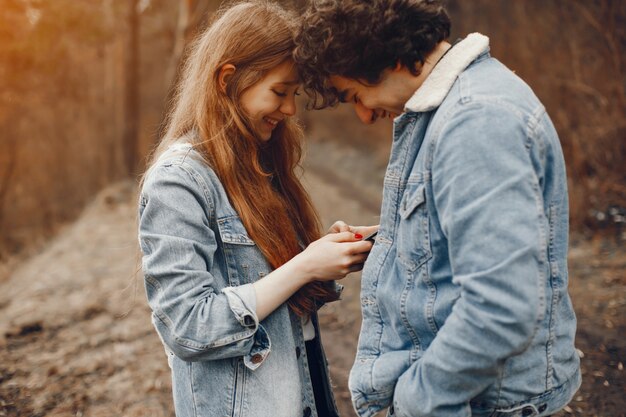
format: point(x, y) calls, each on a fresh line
point(464, 295)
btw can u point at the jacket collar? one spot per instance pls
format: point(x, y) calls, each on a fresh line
point(439, 82)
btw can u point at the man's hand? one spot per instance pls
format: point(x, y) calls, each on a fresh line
point(340, 226)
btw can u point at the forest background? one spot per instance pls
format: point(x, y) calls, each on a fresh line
point(84, 85)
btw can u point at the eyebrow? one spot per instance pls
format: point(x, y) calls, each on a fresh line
point(291, 82)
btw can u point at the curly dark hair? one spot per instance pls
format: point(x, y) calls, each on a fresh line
point(359, 39)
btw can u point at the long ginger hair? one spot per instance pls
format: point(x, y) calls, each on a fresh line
point(259, 177)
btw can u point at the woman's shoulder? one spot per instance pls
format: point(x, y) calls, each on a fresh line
point(183, 165)
point(182, 156)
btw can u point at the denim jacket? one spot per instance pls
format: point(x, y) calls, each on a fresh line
point(199, 265)
point(464, 295)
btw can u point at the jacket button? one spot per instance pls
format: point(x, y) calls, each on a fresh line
point(527, 411)
point(256, 358)
point(307, 412)
point(297, 352)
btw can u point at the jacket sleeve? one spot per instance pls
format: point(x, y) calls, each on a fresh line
point(488, 200)
point(194, 318)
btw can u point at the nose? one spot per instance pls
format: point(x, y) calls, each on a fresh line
point(288, 106)
point(366, 115)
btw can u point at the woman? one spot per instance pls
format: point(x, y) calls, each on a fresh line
point(223, 223)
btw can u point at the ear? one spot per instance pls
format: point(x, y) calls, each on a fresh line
point(398, 66)
point(224, 76)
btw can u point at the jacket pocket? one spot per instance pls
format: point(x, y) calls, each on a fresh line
point(242, 256)
point(412, 200)
point(233, 232)
point(413, 228)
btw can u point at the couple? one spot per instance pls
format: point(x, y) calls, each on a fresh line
point(464, 294)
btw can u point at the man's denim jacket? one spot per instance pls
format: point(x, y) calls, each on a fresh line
point(464, 295)
point(199, 265)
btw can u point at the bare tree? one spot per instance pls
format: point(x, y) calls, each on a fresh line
point(132, 91)
point(192, 16)
point(6, 175)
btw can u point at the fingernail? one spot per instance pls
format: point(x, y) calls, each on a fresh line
point(358, 236)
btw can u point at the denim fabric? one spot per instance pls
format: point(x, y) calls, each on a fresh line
point(464, 295)
point(199, 265)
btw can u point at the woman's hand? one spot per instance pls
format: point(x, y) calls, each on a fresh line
point(333, 256)
point(340, 226)
point(328, 258)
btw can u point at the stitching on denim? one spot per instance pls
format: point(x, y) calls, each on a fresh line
point(464, 89)
point(231, 392)
point(555, 296)
point(243, 400)
point(430, 305)
point(228, 257)
point(237, 392)
point(193, 391)
point(531, 130)
point(197, 178)
point(218, 343)
point(543, 246)
point(403, 313)
point(501, 374)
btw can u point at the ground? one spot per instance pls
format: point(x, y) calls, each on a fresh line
point(75, 332)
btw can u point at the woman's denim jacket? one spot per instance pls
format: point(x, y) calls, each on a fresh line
point(199, 265)
point(464, 295)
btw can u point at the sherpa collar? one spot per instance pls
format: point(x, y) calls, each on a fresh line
point(439, 82)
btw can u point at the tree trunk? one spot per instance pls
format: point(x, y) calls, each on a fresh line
point(131, 99)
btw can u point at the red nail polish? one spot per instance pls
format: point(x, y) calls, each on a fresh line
point(358, 236)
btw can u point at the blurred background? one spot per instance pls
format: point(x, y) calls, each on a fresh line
point(84, 85)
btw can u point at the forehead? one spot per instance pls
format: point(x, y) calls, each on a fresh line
point(284, 73)
point(343, 84)
point(346, 87)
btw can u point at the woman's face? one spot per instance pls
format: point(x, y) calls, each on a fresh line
point(272, 99)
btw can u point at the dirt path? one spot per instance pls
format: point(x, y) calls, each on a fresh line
point(74, 343)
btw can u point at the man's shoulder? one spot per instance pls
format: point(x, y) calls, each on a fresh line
point(488, 80)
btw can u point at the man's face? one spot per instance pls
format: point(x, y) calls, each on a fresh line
point(372, 102)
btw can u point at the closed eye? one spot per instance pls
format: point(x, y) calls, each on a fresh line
point(281, 94)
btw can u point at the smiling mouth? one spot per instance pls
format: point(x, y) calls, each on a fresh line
point(384, 114)
point(376, 116)
point(271, 121)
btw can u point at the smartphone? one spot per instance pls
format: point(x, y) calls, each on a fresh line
point(371, 237)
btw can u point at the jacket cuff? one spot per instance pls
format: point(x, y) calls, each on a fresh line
point(242, 302)
point(260, 349)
